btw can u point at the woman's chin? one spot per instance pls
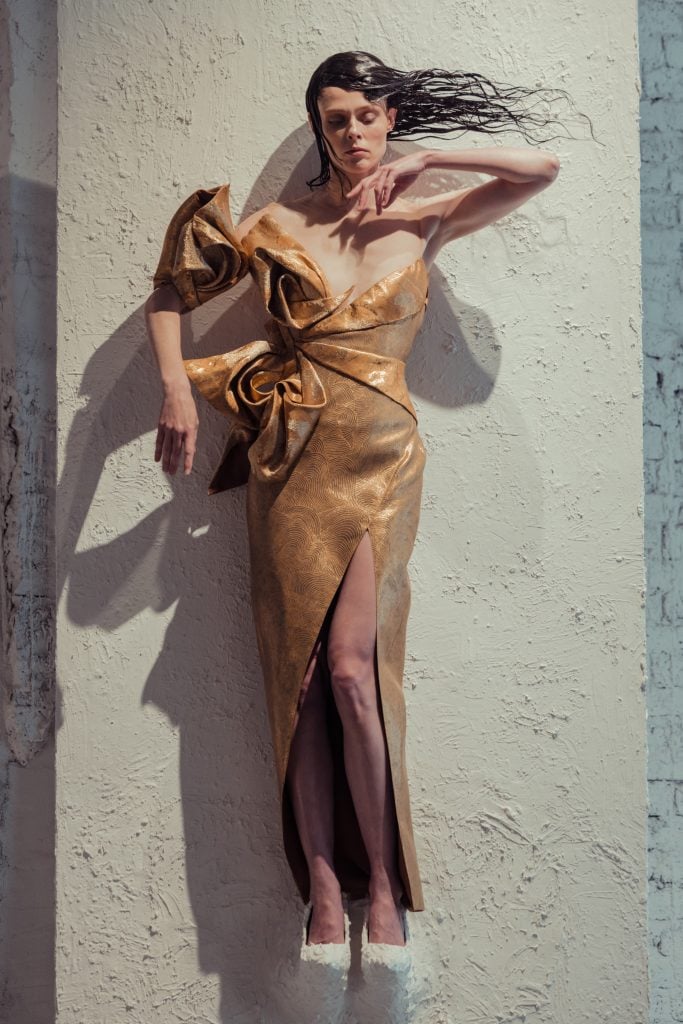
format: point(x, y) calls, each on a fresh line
point(362, 164)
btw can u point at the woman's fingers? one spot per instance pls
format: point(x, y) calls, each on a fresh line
point(167, 452)
point(169, 448)
point(176, 449)
point(383, 189)
point(190, 438)
point(389, 181)
point(387, 188)
point(178, 424)
point(381, 183)
point(363, 197)
point(379, 188)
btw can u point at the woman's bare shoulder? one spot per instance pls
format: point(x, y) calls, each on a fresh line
point(290, 212)
point(248, 223)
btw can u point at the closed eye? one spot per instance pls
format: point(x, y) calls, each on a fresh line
point(337, 121)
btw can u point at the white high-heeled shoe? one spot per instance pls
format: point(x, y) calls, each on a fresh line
point(387, 953)
point(336, 955)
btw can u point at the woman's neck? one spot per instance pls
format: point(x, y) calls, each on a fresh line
point(332, 195)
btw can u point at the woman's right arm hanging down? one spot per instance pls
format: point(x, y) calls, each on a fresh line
point(178, 419)
point(201, 257)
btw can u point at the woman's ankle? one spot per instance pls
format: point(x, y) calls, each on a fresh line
point(325, 888)
point(381, 886)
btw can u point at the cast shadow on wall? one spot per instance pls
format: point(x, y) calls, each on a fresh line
point(191, 551)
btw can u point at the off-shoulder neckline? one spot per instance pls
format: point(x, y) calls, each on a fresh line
point(266, 215)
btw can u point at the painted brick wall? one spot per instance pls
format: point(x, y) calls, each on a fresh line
point(661, 58)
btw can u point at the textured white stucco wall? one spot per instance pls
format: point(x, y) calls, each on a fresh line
point(525, 668)
point(661, 50)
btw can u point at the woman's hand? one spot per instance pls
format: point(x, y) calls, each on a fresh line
point(389, 180)
point(178, 423)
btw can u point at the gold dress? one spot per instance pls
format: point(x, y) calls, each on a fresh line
point(323, 433)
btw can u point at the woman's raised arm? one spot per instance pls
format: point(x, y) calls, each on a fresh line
point(519, 173)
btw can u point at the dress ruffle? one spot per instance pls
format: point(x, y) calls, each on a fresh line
point(201, 254)
point(273, 397)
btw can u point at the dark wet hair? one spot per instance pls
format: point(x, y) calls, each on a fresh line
point(430, 102)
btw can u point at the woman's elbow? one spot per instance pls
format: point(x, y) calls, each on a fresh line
point(552, 166)
point(164, 298)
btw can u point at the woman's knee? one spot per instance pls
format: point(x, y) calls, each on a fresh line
point(352, 679)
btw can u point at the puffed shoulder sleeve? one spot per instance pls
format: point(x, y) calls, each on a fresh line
point(201, 255)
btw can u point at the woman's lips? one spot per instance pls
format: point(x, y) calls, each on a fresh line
point(354, 152)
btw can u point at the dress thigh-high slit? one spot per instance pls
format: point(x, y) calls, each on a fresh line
point(341, 685)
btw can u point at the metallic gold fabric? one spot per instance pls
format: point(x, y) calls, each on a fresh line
point(323, 432)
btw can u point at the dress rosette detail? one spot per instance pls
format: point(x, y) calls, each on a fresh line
point(272, 394)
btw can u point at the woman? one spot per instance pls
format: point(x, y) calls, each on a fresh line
point(323, 432)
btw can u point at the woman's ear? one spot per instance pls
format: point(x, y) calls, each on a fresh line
point(391, 115)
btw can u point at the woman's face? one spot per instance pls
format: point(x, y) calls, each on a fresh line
point(355, 129)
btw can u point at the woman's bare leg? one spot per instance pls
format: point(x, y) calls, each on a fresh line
point(309, 777)
point(351, 660)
